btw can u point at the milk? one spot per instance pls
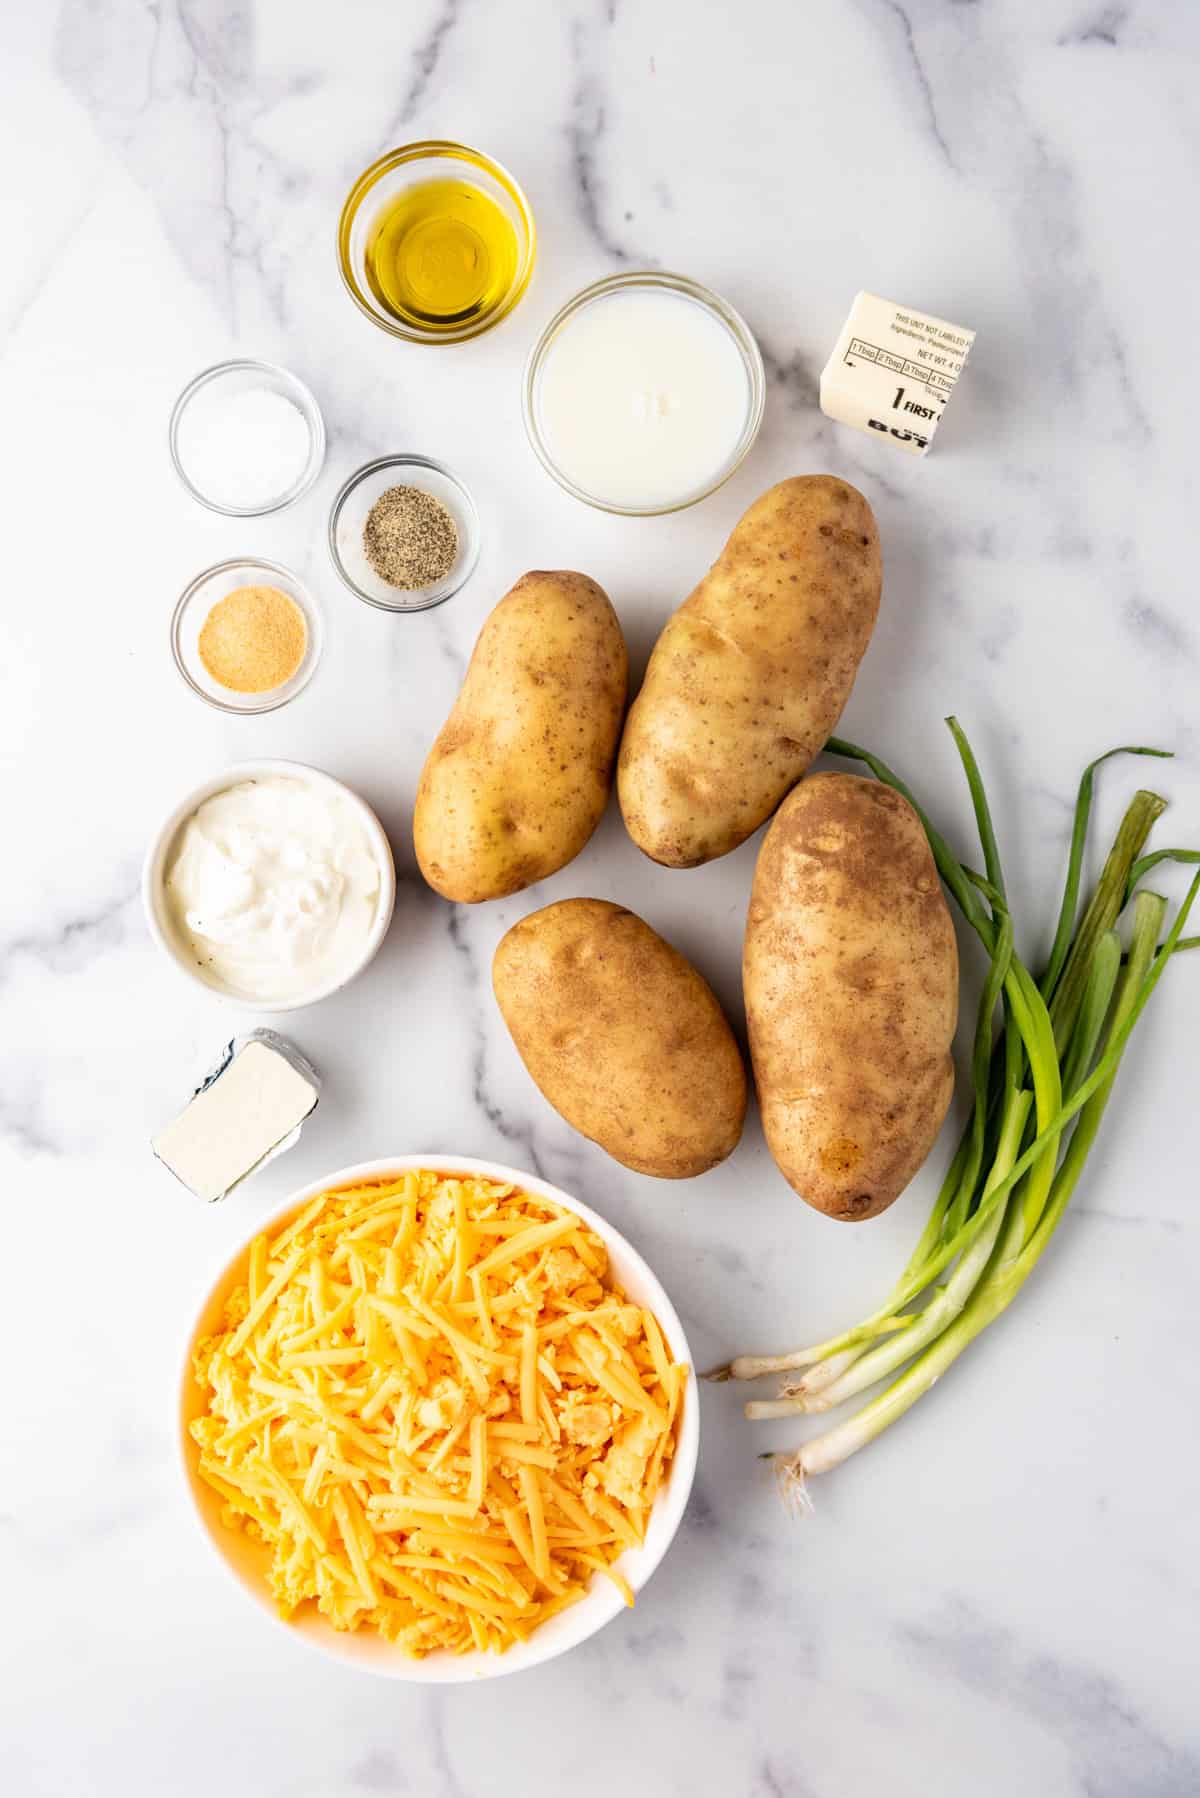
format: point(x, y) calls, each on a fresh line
point(643, 398)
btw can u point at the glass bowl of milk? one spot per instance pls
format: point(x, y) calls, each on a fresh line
point(644, 393)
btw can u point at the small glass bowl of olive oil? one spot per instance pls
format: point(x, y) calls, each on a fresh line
point(436, 242)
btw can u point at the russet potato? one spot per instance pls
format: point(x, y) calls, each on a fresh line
point(850, 973)
point(750, 675)
point(622, 1035)
point(519, 775)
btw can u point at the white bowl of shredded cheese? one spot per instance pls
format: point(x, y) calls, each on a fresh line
point(275, 1262)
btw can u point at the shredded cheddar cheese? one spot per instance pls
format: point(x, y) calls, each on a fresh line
point(435, 1412)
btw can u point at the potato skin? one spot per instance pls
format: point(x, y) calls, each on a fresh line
point(850, 972)
point(520, 773)
point(622, 1035)
point(752, 672)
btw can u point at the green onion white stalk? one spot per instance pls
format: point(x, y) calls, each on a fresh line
point(1041, 1082)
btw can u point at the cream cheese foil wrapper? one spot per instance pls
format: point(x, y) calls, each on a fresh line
point(250, 1107)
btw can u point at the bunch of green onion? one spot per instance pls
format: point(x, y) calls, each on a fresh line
point(1042, 1080)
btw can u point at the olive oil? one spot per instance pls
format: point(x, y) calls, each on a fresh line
point(441, 254)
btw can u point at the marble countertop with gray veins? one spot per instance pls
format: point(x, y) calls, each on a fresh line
point(1002, 1594)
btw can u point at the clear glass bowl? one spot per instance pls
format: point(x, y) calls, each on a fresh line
point(241, 376)
point(648, 280)
point(431, 160)
point(197, 601)
point(349, 515)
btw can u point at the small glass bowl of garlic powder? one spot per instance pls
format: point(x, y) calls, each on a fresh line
point(246, 635)
point(247, 438)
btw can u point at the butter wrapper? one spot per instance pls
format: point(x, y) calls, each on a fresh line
point(892, 372)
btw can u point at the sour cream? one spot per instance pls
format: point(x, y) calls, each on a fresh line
point(643, 395)
point(272, 888)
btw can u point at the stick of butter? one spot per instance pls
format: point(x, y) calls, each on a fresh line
point(248, 1109)
point(892, 371)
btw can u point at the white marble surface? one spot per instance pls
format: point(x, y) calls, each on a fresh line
point(1001, 1595)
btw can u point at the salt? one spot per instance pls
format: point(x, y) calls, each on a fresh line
point(244, 449)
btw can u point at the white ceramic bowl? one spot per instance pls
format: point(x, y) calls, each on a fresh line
point(246, 1559)
point(154, 872)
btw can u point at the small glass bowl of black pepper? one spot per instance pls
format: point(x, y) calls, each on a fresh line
point(384, 524)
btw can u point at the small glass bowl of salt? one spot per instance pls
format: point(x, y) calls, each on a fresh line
point(246, 438)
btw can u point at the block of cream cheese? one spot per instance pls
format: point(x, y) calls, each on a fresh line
point(892, 371)
point(248, 1110)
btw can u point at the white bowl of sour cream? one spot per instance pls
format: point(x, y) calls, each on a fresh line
point(272, 884)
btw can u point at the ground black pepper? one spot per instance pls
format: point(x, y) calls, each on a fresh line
point(409, 538)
